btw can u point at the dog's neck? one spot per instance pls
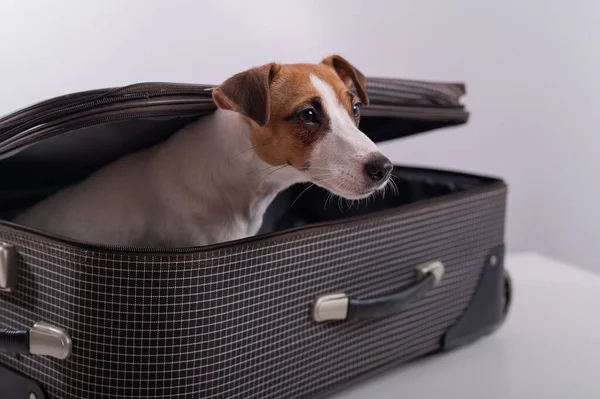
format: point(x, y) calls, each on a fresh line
point(243, 170)
point(218, 171)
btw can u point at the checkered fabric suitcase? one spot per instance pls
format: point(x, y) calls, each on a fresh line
point(321, 298)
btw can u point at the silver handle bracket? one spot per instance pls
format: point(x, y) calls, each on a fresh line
point(49, 340)
point(435, 268)
point(330, 307)
point(8, 267)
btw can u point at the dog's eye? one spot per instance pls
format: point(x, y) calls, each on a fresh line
point(356, 111)
point(308, 115)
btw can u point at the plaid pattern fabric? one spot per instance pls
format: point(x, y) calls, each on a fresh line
point(235, 322)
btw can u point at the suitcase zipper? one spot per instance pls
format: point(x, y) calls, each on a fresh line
point(21, 120)
point(395, 88)
point(83, 101)
point(20, 129)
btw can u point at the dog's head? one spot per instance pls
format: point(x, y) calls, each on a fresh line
point(305, 115)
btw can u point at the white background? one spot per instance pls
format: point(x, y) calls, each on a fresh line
point(532, 70)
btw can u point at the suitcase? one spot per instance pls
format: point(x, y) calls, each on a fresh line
point(324, 296)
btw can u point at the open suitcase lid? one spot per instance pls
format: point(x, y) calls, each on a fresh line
point(398, 108)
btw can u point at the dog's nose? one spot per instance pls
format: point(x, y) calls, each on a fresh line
point(379, 168)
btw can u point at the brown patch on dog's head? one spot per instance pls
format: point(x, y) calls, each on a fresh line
point(349, 75)
point(248, 93)
point(286, 112)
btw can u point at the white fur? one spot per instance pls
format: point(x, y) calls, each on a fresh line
point(341, 154)
point(204, 185)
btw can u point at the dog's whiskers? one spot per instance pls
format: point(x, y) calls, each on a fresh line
point(395, 189)
point(250, 149)
point(253, 172)
point(309, 186)
point(273, 171)
point(321, 168)
point(327, 199)
point(303, 191)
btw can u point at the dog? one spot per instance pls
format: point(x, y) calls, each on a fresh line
point(275, 125)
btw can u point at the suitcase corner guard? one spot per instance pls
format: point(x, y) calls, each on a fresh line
point(488, 307)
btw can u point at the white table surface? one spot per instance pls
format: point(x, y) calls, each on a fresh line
point(548, 347)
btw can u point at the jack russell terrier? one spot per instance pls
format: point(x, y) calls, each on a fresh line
point(212, 181)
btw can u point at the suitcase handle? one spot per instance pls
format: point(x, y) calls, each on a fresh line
point(338, 306)
point(42, 339)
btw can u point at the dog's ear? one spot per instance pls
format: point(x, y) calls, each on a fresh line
point(248, 93)
point(349, 75)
